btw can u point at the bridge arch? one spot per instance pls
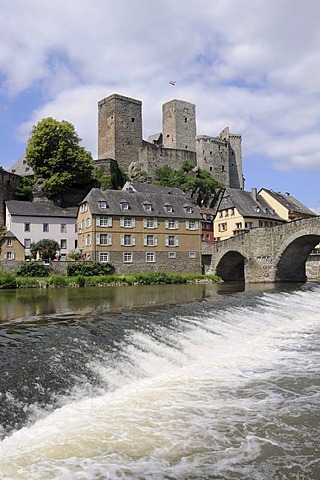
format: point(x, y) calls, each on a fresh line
point(290, 262)
point(230, 267)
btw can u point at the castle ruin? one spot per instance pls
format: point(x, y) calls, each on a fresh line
point(120, 139)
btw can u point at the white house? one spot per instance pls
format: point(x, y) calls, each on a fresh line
point(34, 221)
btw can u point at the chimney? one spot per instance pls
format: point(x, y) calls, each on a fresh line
point(254, 194)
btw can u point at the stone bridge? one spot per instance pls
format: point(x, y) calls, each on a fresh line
point(274, 254)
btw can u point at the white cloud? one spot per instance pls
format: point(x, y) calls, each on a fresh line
point(243, 63)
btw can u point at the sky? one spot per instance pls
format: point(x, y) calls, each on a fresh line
point(252, 65)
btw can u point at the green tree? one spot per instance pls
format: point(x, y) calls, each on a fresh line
point(200, 184)
point(46, 248)
point(24, 191)
point(115, 181)
point(55, 154)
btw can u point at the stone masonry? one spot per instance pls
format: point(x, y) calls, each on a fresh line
point(120, 139)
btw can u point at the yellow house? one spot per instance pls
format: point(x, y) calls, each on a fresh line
point(286, 206)
point(11, 248)
point(239, 211)
point(140, 232)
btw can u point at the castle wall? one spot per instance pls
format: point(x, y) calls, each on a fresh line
point(8, 183)
point(213, 156)
point(119, 129)
point(235, 158)
point(152, 157)
point(179, 125)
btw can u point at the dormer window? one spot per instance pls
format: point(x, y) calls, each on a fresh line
point(147, 206)
point(168, 207)
point(188, 209)
point(124, 205)
point(102, 204)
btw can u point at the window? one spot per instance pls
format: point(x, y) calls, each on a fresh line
point(248, 225)
point(102, 204)
point(188, 209)
point(84, 207)
point(63, 228)
point(9, 256)
point(104, 239)
point(150, 257)
point(192, 255)
point(27, 227)
point(27, 242)
point(45, 227)
point(124, 205)
point(127, 257)
point(147, 206)
point(192, 225)
point(171, 241)
point(172, 224)
point(104, 221)
point(88, 240)
point(127, 240)
point(168, 208)
point(232, 212)
point(9, 242)
point(172, 254)
point(239, 225)
point(222, 227)
point(127, 222)
point(150, 223)
point(88, 222)
point(104, 257)
point(63, 243)
point(150, 240)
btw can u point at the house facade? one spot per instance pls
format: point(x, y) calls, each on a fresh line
point(140, 232)
point(239, 211)
point(33, 221)
point(11, 248)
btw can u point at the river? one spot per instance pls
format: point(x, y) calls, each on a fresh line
point(182, 382)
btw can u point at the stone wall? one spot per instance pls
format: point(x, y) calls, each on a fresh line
point(213, 156)
point(8, 183)
point(179, 125)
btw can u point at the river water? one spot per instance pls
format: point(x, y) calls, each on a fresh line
point(162, 382)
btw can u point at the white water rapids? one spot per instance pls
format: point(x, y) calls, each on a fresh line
point(227, 393)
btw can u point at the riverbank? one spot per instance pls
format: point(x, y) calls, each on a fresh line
point(10, 280)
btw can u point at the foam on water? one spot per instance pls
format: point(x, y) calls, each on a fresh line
point(216, 397)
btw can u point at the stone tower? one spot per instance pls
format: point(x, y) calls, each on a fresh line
point(179, 125)
point(236, 179)
point(119, 129)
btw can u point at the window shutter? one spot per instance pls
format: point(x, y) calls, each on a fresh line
point(121, 221)
point(166, 240)
point(155, 223)
point(98, 239)
point(145, 223)
point(110, 239)
point(144, 240)
point(13, 255)
point(176, 241)
point(176, 224)
point(187, 224)
point(133, 222)
point(109, 222)
point(133, 239)
point(167, 224)
point(156, 240)
point(98, 221)
point(122, 239)
point(197, 225)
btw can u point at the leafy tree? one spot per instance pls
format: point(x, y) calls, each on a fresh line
point(46, 248)
point(24, 191)
point(115, 181)
point(54, 153)
point(199, 183)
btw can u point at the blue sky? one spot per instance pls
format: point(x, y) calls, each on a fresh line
point(252, 65)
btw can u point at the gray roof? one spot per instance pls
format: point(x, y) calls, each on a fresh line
point(20, 167)
point(39, 209)
point(248, 204)
point(289, 202)
point(136, 201)
point(151, 188)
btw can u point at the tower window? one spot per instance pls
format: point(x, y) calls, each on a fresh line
point(132, 119)
point(185, 120)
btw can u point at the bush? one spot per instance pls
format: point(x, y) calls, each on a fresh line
point(7, 280)
point(33, 269)
point(57, 281)
point(81, 281)
point(90, 269)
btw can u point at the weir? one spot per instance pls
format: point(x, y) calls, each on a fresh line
point(273, 254)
